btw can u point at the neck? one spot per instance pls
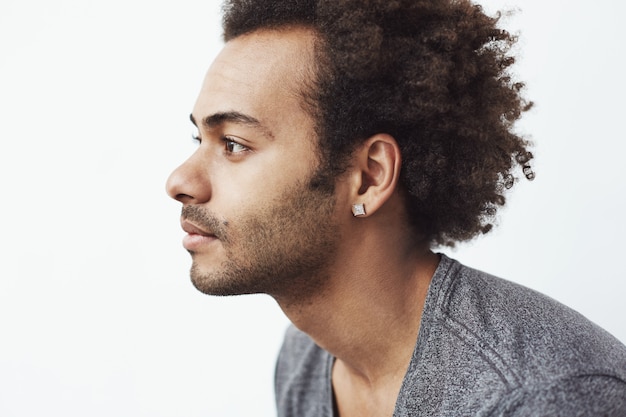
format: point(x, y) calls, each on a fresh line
point(371, 307)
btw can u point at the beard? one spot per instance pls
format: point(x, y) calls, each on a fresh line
point(281, 249)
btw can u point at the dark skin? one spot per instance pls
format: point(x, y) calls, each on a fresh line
point(366, 307)
point(435, 75)
point(377, 290)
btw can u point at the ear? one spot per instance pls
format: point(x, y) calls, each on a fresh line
point(375, 172)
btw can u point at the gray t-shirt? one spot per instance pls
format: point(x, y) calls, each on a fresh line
point(486, 347)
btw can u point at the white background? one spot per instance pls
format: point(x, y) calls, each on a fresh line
point(97, 315)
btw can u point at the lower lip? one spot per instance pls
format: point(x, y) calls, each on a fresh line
point(194, 242)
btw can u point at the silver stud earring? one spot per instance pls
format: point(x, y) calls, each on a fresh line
point(358, 210)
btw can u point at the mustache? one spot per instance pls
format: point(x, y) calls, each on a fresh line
point(206, 220)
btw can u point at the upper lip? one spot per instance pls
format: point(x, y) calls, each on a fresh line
point(192, 229)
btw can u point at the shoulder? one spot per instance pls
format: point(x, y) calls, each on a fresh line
point(579, 395)
point(302, 378)
point(530, 332)
point(485, 340)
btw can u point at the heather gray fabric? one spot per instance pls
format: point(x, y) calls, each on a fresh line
point(486, 347)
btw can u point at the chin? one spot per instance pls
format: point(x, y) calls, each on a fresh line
point(212, 282)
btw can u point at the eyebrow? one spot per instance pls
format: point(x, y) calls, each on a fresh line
point(219, 119)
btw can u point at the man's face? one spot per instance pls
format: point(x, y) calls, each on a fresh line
point(254, 223)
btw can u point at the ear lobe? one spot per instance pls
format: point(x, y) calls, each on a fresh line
point(378, 163)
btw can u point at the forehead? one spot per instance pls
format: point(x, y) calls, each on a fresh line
point(261, 74)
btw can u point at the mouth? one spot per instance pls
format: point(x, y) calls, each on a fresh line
point(196, 237)
point(192, 229)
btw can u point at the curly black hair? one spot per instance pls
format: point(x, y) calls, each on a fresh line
point(435, 75)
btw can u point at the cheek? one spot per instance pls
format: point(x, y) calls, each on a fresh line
point(271, 172)
point(241, 188)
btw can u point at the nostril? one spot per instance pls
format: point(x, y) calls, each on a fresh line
point(190, 182)
point(183, 198)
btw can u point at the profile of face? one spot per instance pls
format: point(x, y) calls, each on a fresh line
point(254, 223)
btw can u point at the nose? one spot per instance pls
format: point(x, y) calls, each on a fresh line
point(189, 183)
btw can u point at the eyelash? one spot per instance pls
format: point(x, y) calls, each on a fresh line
point(229, 144)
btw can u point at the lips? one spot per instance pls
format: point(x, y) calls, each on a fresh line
point(196, 237)
point(192, 229)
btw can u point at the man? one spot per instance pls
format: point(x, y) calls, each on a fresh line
point(339, 142)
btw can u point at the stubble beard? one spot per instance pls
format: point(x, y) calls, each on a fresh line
point(283, 249)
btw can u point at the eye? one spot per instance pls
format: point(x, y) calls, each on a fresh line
point(233, 147)
point(195, 136)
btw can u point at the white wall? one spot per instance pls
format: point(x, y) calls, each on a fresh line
point(97, 315)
